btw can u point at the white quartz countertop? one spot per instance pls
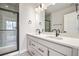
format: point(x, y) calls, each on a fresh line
point(68, 41)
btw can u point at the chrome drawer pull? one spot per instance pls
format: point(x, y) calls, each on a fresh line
point(40, 50)
point(33, 44)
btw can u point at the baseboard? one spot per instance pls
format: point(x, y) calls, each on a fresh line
point(23, 51)
point(12, 54)
point(17, 53)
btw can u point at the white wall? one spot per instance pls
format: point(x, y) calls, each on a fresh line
point(27, 12)
point(40, 20)
point(58, 18)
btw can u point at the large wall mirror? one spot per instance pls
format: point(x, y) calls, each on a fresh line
point(62, 16)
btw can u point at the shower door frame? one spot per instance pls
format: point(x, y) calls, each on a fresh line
point(17, 30)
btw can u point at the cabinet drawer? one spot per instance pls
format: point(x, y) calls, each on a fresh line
point(58, 47)
point(34, 52)
point(54, 53)
point(34, 44)
point(42, 49)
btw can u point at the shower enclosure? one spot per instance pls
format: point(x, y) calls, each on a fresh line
point(9, 31)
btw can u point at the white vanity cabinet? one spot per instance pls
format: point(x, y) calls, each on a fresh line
point(65, 50)
point(39, 46)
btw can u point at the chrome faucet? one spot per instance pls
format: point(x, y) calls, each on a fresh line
point(57, 32)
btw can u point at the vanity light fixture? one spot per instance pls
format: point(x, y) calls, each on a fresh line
point(6, 6)
point(41, 7)
point(53, 3)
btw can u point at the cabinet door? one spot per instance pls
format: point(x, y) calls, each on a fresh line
point(54, 53)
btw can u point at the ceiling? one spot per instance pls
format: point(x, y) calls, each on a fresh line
point(50, 9)
point(10, 6)
point(57, 6)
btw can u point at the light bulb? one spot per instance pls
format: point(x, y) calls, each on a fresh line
point(7, 6)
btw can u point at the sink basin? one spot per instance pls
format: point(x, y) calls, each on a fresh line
point(53, 37)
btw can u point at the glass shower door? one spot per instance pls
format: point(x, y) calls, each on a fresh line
point(8, 32)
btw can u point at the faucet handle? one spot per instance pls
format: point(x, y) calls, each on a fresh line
point(59, 30)
point(38, 30)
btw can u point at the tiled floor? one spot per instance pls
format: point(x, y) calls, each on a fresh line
point(25, 54)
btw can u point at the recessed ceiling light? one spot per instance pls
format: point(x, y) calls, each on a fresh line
point(7, 6)
point(53, 3)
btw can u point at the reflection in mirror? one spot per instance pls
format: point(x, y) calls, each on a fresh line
point(62, 16)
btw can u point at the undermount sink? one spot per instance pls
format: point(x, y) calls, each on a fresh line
point(53, 37)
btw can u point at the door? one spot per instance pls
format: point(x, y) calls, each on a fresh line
point(8, 32)
point(71, 23)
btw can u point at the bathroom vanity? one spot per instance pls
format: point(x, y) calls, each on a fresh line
point(49, 45)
